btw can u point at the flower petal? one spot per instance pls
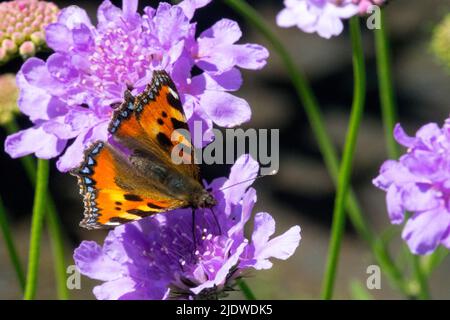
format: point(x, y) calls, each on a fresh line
point(419, 197)
point(286, 18)
point(222, 273)
point(281, 247)
point(224, 31)
point(250, 56)
point(394, 205)
point(58, 37)
point(189, 6)
point(424, 231)
point(73, 16)
point(115, 289)
point(224, 109)
point(242, 175)
point(92, 262)
point(34, 140)
point(402, 138)
point(74, 153)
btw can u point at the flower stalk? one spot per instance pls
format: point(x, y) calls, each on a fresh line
point(359, 93)
point(54, 224)
point(36, 228)
point(246, 291)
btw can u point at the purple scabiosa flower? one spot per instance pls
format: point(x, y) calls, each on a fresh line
point(419, 182)
point(160, 257)
point(71, 96)
point(321, 16)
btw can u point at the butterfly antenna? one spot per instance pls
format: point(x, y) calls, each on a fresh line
point(216, 220)
point(251, 179)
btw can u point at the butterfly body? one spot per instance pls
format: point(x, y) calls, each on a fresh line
point(133, 175)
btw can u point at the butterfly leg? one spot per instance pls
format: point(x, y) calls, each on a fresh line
point(216, 220)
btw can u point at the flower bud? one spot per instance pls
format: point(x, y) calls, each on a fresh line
point(27, 49)
point(24, 20)
point(9, 46)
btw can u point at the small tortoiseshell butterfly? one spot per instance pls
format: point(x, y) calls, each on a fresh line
point(118, 188)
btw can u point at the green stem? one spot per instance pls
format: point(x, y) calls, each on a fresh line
point(420, 277)
point(359, 93)
point(389, 115)
point(434, 260)
point(36, 228)
point(386, 91)
point(9, 242)
point(325, 144)
point(246, 290)
point(54, 225)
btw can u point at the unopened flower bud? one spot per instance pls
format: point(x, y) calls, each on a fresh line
point(27, 49)
point(9, 46)
point(38, 38)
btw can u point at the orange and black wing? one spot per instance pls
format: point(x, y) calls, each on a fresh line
point(154, 122)
point(113, 193)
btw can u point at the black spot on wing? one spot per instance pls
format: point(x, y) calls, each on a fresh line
point(177, 124)
point(164, 140)
point(154, 206)
point(140, 213)
point(132, 197)
point(119, 220)
point(174, 102)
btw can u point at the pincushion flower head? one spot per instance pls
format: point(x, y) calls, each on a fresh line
point(419, 183)
point(22, 27)
point(73, 94)
point(160, 258)
point(323, 17)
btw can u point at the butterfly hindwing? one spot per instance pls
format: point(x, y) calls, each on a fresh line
point(113, 192)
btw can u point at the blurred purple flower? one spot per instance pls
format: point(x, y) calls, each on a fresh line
point(321, 16)
point(365, 5)
point(419, 182)
point(73, 94)
point(156, 257)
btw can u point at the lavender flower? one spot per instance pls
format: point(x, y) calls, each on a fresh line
point(159, 258)
point(73, 94)
point(322, 16)
point(22, 27)
point(419, 182)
